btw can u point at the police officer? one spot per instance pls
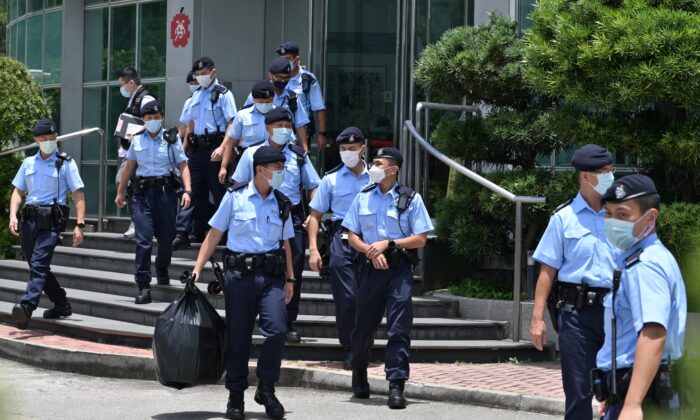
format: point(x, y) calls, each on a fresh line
point(387, 223)
point(247, 128)
point(335, 193)
point(193, 85)
point(573, 280)
point(154, 155)
point(46, 177)
point(258, 258)
point(212, 109)
point(130, 87)
point(279, 74)
point(306, 85)
point(649, 306)
point(299, 174)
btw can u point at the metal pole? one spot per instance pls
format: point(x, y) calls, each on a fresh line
point(516, 270)
point(101, 189)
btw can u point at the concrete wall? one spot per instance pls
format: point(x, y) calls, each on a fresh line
point(72, 75)
point(178, 61)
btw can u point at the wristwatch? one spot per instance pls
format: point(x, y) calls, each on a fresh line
point(80, 225)
point(291, 280)
point(188, 193)
point(392, 244)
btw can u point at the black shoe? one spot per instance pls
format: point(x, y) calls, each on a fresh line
point(360, 385)
point(144, 296)
point(181, 242)
point(396, 399)
point(162, 277)
point(58, 311)
point(235, 410)
point(22, 313)
point(292, 336)
point(265, 395)
point(347, 365)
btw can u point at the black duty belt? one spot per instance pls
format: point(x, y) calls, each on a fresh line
point(271, 262)
point(569, 295)
point(660, 392)
point(47, 216)
point(205, 140)
point(146, 182)
point(298, 210)
point(334, 226)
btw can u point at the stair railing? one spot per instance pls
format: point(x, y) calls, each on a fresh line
point(103, 160)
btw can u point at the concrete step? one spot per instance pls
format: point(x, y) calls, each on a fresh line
point(123, 284)
point(422, 351)
point(123, 308)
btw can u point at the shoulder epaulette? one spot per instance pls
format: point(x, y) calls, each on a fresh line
point(633, 258)
point(220, 88)
point(247, 106)
point(403, 189)
point(307, 81)
point(369, 188)
point(562, 206)
point(63, 156)
point(258, 143)
point(237, 186)
point(334, 170)
point(298, 150)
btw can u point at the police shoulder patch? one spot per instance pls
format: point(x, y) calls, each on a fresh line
point(634, 258)
point(237, 186)
point(562, 206)
point(369, 188)
point(405, 190)
point(298, 150)
point(334, 170)
point(63, 155)
point(220, 88)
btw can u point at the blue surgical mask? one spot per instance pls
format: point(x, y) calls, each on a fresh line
point(277, 178)
point(282, 136)
point(153, 126)
point(125, 93)
point(48, 146)
point(620, 233)
point(264, 107)
point(193, 88)
point(605, 180)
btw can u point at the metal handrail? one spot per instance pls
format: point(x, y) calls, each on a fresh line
point(517, 199)
point(103, 159)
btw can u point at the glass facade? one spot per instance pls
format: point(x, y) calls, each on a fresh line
point(117, 36)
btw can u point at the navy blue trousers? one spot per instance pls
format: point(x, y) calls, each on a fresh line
point(378, 290)
point(298, 245)
point(343, 287)
point(37, 247)
point(581, 335)
point(247, 296)
point(207, 192)
point(154, 215)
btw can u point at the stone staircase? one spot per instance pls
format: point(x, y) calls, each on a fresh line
point(98, 278)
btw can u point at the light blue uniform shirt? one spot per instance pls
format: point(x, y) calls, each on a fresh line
point(44, 183)
point(301, 117)
point(254, 224)
point(374, 216)
point(291, 185)
point(206, 117)
point(248, 127)
point(313, 100)
point(570, 244)
point(337, 190)
point(651, 291)
point(185, 115)
point(154, 156)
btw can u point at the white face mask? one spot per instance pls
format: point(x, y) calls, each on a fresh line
point(193, 88)
point(48, 146)
point(204, 80)
point(277, 178)
point(350, 158)
point(282, 136)
point(376, 174)
point(605, 180)
point(264, 107)
point(125, 93)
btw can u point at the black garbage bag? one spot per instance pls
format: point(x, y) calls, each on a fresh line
point(189, 342)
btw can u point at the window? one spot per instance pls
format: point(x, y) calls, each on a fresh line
point(524, 9)
point(53, 37)
point(21, 40)
point(95, 45)
point(53, 99)
point(35, 5)
point(122, 52)
point(153, 39)
point(35, 29)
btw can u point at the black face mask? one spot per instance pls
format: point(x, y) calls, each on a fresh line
point(279, 85)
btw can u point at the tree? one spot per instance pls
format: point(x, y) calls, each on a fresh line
point(21, 104)
point(627, 75)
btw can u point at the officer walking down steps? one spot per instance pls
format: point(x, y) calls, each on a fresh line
point(45, 177)
point(387, 223)
point(646, 312)
point(154, 156)
point(259, 277)
point(575, 276)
